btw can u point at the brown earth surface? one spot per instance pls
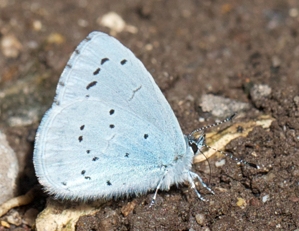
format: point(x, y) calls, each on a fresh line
point(191, 48)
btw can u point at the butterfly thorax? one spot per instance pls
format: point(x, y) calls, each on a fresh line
point(177, 170)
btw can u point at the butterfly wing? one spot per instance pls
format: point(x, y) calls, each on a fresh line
point(110, 130)
point(102, 67)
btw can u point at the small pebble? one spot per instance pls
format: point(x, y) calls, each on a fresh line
point(255, 202)
point(10, 46)
point(82, 22)
point(221, 107)
point(265, 198)
point(55, 38)
point(115, 23)
point(127, 209)
point(5, 224)
point(32, 44)
point(241, 202)
point(275, 61)
point(293, 12)
point(220, 163)
point(260, 92)
point(269, 177)
point(254, 154)
point(37, 25)
point(294, 199)
point(190, 98)
point(200, 219)
point(9, 168)
point(30, 216)
point(148, 47)
point(201, 119)
point(109, 220)
point(14, 218)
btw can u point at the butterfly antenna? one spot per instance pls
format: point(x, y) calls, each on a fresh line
point(213, 125)
point(233, 157)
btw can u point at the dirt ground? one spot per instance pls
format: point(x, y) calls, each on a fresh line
point(191, 47)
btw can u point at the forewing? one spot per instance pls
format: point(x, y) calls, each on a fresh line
point(102, 67)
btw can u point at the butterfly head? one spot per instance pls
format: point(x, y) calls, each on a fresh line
point(196, 143)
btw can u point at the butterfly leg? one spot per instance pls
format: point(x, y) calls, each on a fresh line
point(158, 187)
point(191, 176)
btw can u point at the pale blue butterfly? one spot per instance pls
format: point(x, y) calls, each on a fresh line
point(110, 131)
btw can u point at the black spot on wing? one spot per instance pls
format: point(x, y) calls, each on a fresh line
point(111, 112)
point(83, 172)
point(145, 136)
point(109, 183)
point(87, 151)
point(123, 62)
point(82, 127)
point(80, 138)
point(91, 85)
point(97, 71)
point(95, 158)
point(104, 61)
point(111, 126)
point(127, 155)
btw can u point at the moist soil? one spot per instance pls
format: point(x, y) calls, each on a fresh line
point(191, 48)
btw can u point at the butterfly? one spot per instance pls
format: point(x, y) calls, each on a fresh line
point(110, 131)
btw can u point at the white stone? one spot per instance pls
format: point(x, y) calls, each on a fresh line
point(265, 198)
point(9, 168)
point(220, 163)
